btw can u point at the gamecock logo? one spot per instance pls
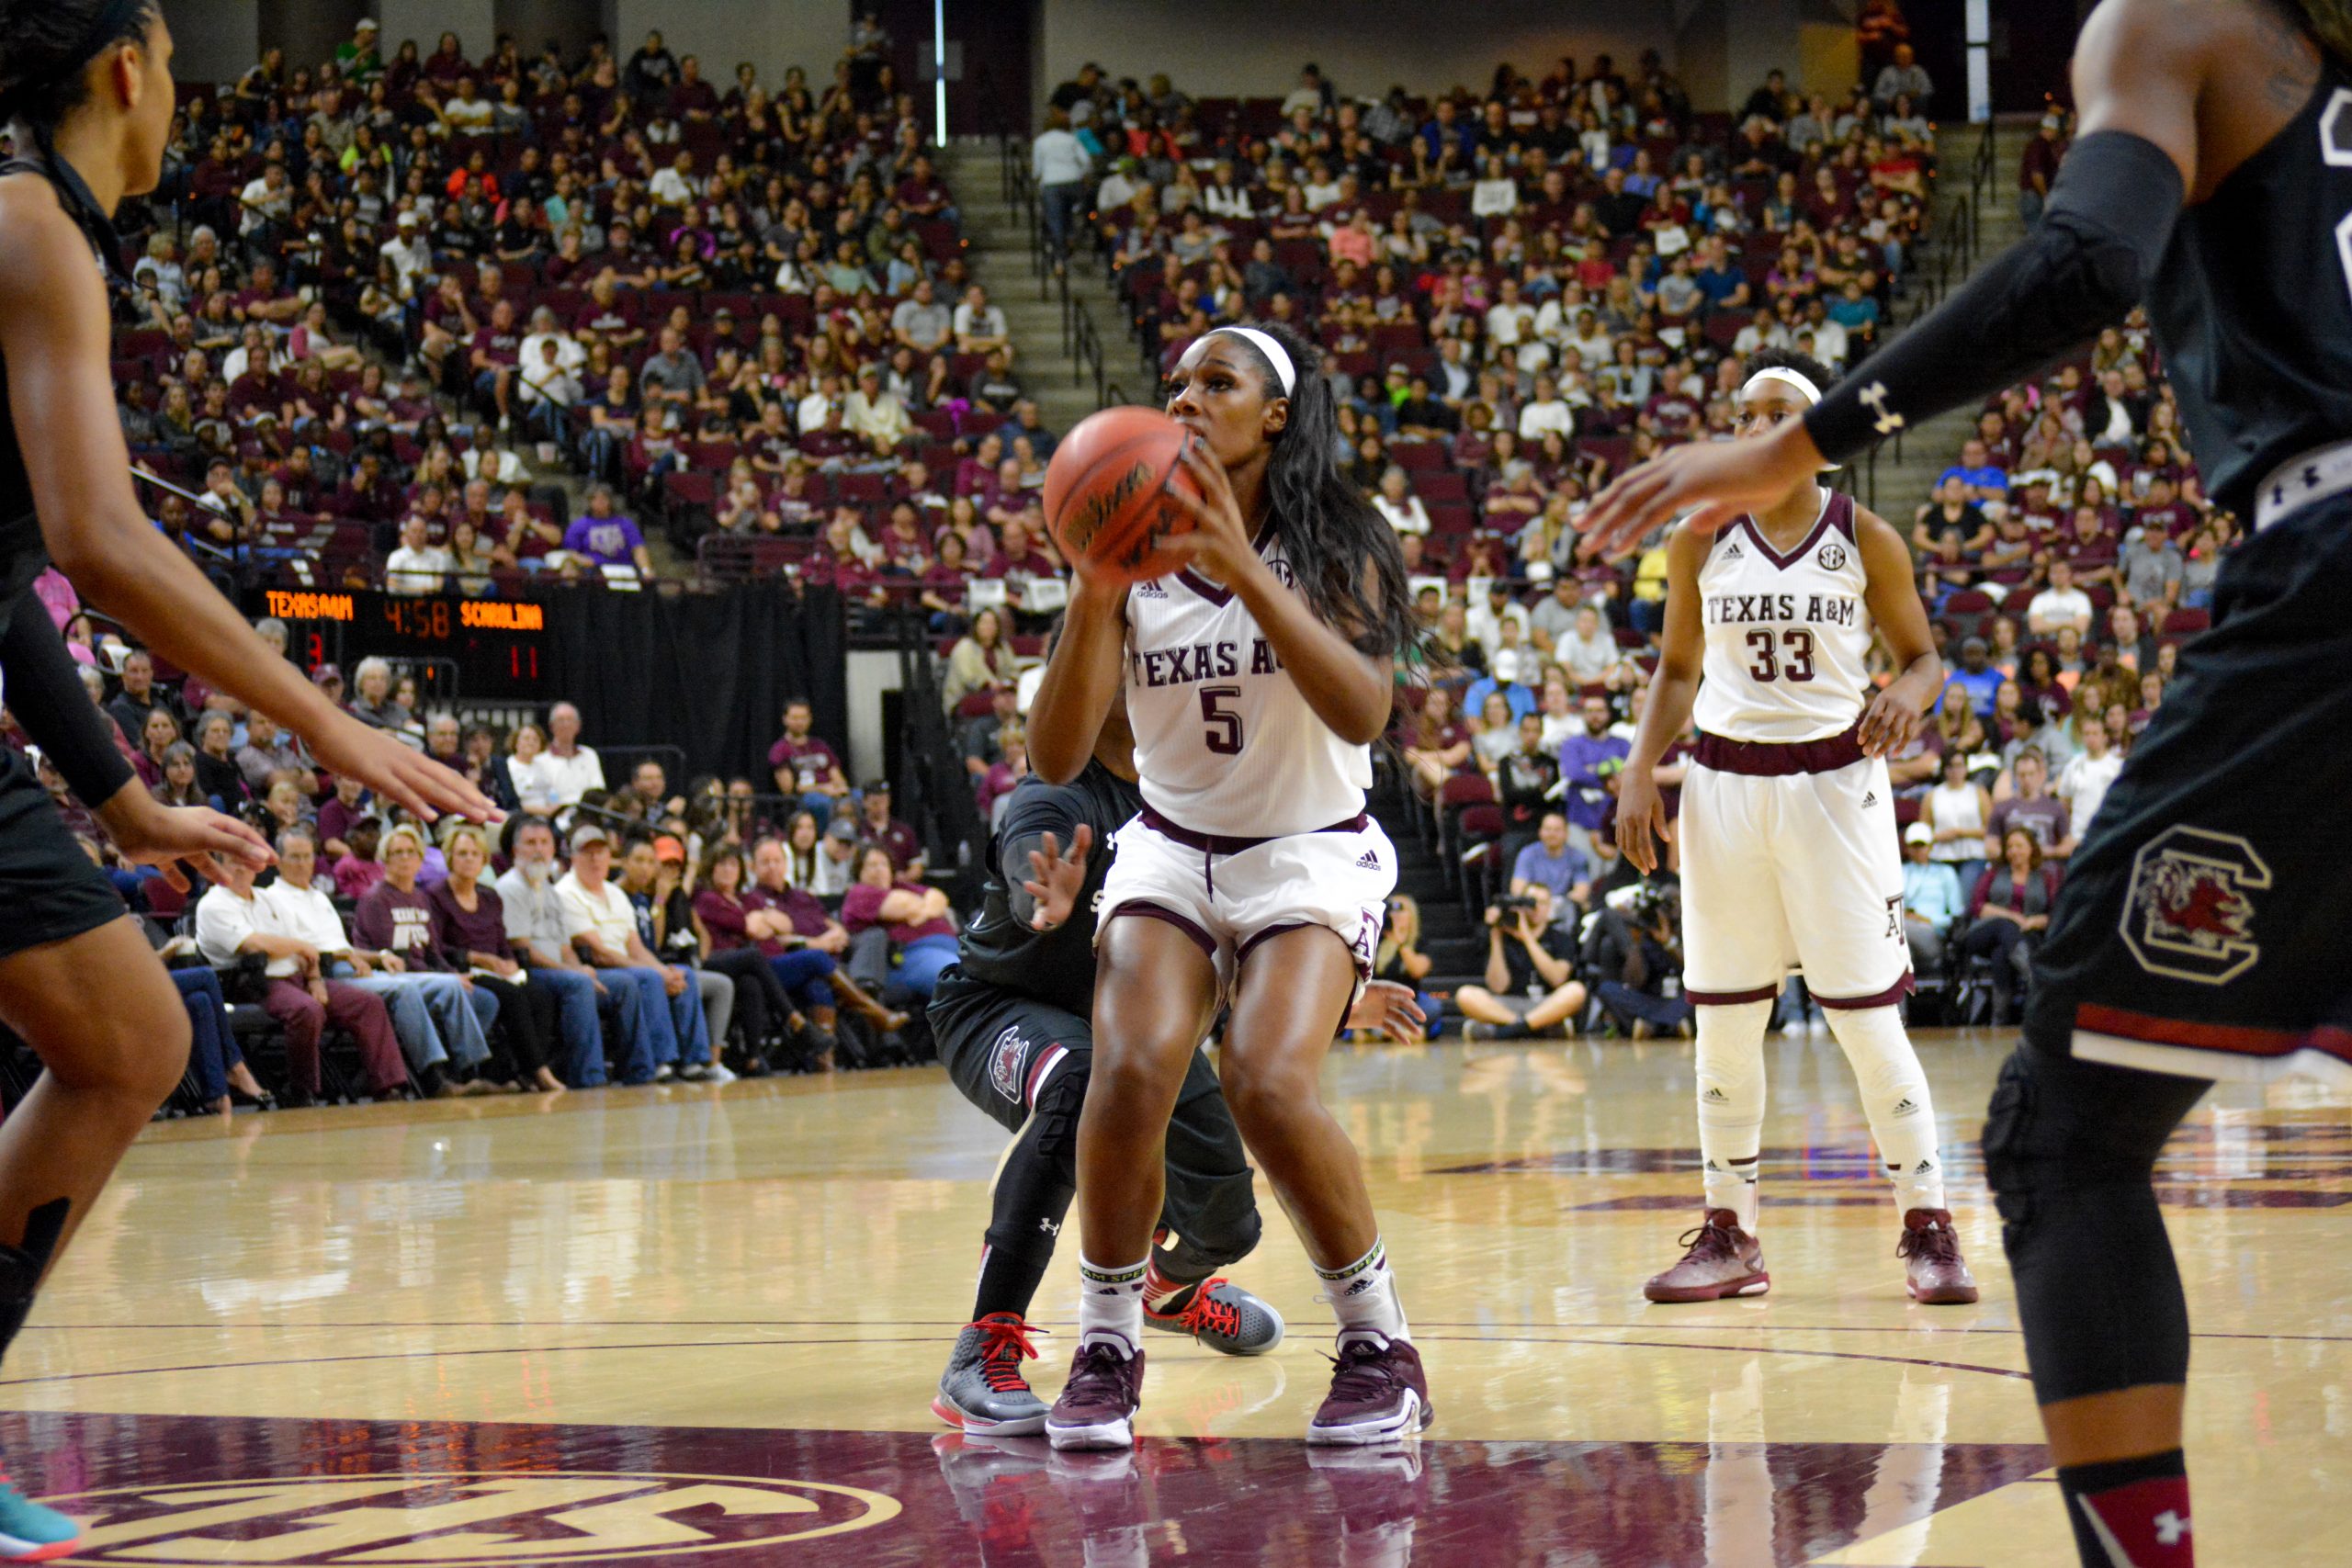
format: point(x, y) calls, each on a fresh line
point(464, 1520)
point(2190, 915)
point(1005, 1059)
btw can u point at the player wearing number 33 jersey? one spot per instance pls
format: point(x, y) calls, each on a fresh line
point(1787, 838)
point(1253, 817)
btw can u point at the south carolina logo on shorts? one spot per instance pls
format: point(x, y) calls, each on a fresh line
point(2188, 914)
point(1832, 557)
point(1006, 1059)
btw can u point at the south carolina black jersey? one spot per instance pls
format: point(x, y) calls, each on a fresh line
point(23, 555)
point(2252, 301)
point(999, 948)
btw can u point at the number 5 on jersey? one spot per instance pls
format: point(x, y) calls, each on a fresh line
point(1224, 727)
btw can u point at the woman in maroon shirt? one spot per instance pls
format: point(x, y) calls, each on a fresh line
point(470, 930)
point(733, 934)
point(921, 937)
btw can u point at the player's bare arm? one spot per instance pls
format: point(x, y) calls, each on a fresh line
point(1081, 679)
point(1893, 715)
point(1665, 712)
point(1348, 689)
point(53, 335)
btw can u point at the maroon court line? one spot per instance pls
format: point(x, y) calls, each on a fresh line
point(928, 1339)
point(958, 1323)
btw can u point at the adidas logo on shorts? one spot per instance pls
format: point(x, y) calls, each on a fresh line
point(1716, 1096)
point(1924, 1166)
point(1369, 860)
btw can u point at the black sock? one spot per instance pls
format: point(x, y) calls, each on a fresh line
point(1032, 1197)
point(2131, 1513)
point(20, 1267)
point(429, 1079)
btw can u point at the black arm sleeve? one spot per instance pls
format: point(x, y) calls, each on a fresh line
point(2109, 217)
point(44, 692)
point(1036, 809)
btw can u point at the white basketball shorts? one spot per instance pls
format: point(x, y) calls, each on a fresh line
point(1791, 861)
point(1229, 894)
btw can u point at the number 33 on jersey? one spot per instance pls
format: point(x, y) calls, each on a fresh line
point(1788, 635)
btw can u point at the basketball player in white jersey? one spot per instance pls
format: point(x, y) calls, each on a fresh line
point(1787, 833)
point(1257, 678)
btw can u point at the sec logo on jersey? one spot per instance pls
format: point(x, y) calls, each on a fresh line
point(1832, 557)
point(467, 1519)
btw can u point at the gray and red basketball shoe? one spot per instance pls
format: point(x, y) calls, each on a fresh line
point(1723, 1260)
point(1379, 1393)
point(982, 1389)
point(1098, 1404)
point(1222, 1316)
point(1933, 1270)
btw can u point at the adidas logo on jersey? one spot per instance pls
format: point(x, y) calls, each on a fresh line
point(1369, 860)
point(1149, 589)
point(1869, 798)
point(1734, 552)
point(1924, 1166)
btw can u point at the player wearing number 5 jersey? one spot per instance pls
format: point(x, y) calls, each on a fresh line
point(1256, 679)
point(1788, 837)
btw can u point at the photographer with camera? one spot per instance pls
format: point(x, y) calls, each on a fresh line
point(1399, 957)
point(1531, 986)
point(1637, 943)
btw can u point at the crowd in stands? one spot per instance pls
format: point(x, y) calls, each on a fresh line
point(626, 930)
point(386, 304)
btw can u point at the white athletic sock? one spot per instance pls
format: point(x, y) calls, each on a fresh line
point(1110, 1305)
point(1731, 1103)
point(1894, 1096)
point(1364, 1297)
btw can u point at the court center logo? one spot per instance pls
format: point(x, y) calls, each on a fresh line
point(2190, 915)
point(462, 1520)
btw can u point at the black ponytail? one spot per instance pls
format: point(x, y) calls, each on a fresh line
point(1324, 526)
point(45, 47)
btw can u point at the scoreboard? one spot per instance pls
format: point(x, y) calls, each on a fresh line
point(493, 649)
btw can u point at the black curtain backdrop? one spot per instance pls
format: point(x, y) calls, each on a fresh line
point(707, 673)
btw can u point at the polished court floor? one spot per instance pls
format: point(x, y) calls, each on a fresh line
point(648, 1325)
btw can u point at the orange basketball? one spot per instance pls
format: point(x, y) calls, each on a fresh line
point(1104, 492)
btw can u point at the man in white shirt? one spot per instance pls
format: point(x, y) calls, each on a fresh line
point(672, 1039)
point(266, 200)
point(416, 567)
point(1227, 196)
point(2084, 782)
point(1546, 411)
point(1484, 621)
point(410, 257)
point(875, 416)
point(465, 112)
point(1509, 319)
point(675, 186)
point(541, 940)
point(232, 921)
point(437, 1018)
point(2060, 604)
point(572, 769)
point(547, 329)
point(980, 326)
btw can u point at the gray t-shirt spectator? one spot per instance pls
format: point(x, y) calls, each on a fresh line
point(534, 915)
point(679, 373)
point(1559, 873)
point(2151, 563)
point(926, 325)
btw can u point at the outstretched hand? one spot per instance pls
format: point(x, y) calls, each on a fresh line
point(1709, 482)
point(148, 832)
point(1059, 877)
point(397, 772)
point(1391, 1008)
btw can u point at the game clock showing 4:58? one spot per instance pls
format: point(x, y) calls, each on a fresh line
point(459, 648)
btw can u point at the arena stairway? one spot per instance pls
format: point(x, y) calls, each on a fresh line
point(1450, 933)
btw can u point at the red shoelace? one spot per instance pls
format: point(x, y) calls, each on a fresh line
point(1205, 1313)
point(1005, 1343)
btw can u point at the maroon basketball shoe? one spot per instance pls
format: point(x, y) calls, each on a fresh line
point(1097, 1409)
point(1933, 1270)
point(1724, 1260)
point(1378, 1393)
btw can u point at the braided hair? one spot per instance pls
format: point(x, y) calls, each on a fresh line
point(1327, 528)
point(45, 46)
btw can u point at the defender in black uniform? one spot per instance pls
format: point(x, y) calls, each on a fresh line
point(1011, 1018)
point(2200, 932)
point(86, 86)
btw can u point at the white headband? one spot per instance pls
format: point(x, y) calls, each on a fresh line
point(1275, 356)
point(1782, 374)
point(1796, 379)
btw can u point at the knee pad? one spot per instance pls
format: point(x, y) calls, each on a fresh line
point(1214, 1224)
point(1730, 1062)
point(2056, 1123)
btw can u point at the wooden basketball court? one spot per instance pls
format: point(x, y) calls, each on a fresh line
point(646, 1324)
